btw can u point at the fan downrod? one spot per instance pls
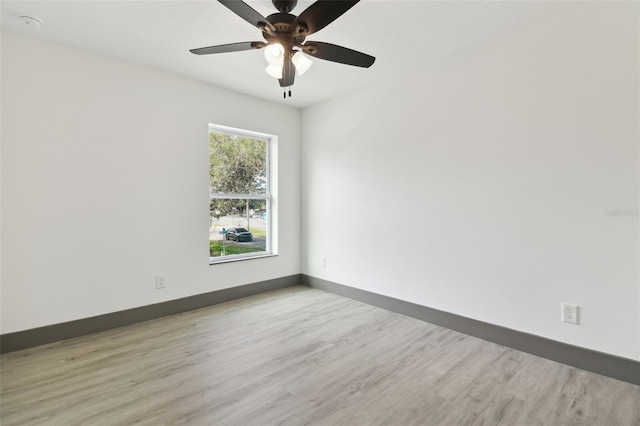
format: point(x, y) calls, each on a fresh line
point(285, 6)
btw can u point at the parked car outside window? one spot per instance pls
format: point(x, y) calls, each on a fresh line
point(237, 233)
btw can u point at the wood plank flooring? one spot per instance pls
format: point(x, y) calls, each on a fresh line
point(299, 356)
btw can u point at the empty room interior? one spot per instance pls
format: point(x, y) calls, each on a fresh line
point(423, 212)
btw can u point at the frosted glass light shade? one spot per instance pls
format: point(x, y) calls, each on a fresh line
point(274, 54)
point(301, 62)
point(274, 71)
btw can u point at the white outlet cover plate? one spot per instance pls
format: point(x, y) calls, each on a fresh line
point(570, 313)
point(161, 281)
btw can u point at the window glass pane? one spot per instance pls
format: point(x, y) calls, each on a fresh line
point(237, 227)
point(237, 164)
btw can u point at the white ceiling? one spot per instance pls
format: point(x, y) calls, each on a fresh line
point(401, 34)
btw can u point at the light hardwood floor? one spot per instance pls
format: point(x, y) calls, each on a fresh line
point(300, 356)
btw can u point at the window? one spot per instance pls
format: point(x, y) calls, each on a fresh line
point(239, 194)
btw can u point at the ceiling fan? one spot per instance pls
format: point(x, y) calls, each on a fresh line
point(285, 46)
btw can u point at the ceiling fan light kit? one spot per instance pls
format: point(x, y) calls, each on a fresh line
point(301, 62)
point(285, 47)
point(274, 54)
point(274, 71)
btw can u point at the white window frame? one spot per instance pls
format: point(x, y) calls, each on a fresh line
point(267, 196)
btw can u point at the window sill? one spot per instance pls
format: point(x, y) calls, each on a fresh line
point(237, 258)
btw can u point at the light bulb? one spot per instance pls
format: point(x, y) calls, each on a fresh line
point(274, 71)
point(301, 62)
point(274, 54)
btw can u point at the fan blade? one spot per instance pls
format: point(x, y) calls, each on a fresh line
point(247, 13)
point(225, 48)
point(334, 53)
point(322, 13)
point(288, 74)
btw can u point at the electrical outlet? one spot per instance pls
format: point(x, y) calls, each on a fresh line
point(323, 262)
point(161, 281)
point(569, 313)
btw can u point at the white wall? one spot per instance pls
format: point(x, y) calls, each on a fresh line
point(481, 189)
point(104, 184)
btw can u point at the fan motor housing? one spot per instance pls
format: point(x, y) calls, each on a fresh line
point(283, 23)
